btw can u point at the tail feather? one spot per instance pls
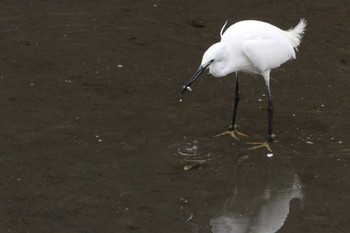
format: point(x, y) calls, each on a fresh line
point(296, 34)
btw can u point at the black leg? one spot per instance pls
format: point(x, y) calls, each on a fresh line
point(270, 114)
point(270, 137)
point(232, 129)
point(237, 97)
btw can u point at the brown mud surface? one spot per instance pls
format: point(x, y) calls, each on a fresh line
point(93, 138)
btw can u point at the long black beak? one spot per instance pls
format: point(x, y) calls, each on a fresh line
point(200, 70)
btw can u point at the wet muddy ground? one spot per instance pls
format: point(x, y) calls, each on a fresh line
point(93, 138)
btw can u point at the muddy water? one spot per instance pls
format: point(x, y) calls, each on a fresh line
point(94, 139)
point(258, 199)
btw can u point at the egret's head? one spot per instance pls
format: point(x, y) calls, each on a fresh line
point(213, 54)
point(213, 59)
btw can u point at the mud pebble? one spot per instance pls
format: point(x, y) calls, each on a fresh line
point(188, 167)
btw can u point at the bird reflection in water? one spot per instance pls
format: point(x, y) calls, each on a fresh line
point(265, 214)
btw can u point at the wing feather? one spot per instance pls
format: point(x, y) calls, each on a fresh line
point(267, 54)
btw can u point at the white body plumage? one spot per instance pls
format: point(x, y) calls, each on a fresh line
point(252, 46)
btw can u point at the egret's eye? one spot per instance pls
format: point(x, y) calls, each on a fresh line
point(211, 60)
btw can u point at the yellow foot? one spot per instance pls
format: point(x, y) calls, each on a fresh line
point(233, 133)
point(259, 145)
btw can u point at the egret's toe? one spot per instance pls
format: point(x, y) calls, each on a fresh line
point(233, 133)
point(260, 145)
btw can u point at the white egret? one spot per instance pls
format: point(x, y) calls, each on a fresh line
point(250, 46)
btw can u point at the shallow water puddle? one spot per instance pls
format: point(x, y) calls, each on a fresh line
point(259, 200)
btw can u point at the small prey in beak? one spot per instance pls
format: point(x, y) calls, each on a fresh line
point(200, 71)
